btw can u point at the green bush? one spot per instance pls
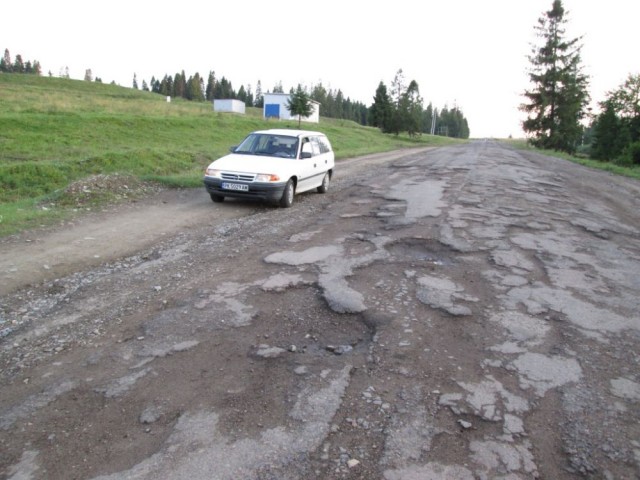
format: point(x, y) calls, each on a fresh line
point(633, 153)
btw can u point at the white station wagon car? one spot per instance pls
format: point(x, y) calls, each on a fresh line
point(272, 166)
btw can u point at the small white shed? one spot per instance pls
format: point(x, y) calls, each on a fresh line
point(275, 106)
point(228, 105)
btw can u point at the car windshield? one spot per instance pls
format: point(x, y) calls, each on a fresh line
point(270, 145)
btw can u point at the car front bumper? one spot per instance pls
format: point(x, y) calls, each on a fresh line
point(268, 192)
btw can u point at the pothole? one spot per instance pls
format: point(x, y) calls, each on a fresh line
point(421, 250)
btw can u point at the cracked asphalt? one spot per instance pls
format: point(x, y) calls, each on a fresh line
point(466, 312)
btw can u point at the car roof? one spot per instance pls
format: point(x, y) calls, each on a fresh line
point(288, 132)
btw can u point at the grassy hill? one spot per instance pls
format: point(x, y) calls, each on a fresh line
point(55, 132)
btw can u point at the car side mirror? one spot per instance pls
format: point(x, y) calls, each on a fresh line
point(306, 155)
point(233, 149)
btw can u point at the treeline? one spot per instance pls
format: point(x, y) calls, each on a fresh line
point(19, 65)
point(400, 111)
point(615, 133)
point(334, 104)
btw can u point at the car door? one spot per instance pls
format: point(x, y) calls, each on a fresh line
point(308, 177)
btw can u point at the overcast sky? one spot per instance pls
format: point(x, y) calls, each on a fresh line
point(466, 52)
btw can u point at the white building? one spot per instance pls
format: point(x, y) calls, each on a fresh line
point(228, 105)
point(275, 106)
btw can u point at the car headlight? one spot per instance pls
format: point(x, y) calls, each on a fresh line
point(267, 177)
point(212, 172)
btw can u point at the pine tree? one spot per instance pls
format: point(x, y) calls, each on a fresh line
point(5, 64)
point(135, 82)
point(381, 109)
point(299, 103)
point(427, 119)
point(397, 91)
point(557, 100)
point(180, 85)
point(617, 128)
point(411, 108)
point(259, 100)
point(242, 94)
point(88, 76)
point(319, 94)
point(211, 84)
point(606, 136)
point(18, 64)
point(249, 101)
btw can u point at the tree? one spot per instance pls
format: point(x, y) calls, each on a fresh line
point(411, 108)
point(242, 94)
point(195, 88)
point(88, 75)
point(381, 109)
point(180, 85)
point(299, 103)
point(166, 86)
point(135, 82)
point(5, 63)
point(607, 134)
point(617, 128)
point(250, 100)
point(558, 97)
point(319, 94)
point(427, 119)
point(224, 89)
point(211, 85)
point(259, 100)
point(18, 65)
point(398, 90)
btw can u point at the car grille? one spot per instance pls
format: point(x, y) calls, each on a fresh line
point(243, 177)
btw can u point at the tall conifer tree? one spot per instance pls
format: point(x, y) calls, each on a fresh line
point(559, 96)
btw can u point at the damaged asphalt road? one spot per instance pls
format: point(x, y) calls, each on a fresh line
point(468, 312)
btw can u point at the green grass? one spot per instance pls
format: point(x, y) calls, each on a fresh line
point(54, 132)
point(627, 171)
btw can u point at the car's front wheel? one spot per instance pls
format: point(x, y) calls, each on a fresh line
point(216, 198)
point(287, 196)
point(324, 186)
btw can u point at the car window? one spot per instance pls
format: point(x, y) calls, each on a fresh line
point(270, 145)
point(315, 146)
point(323, 142)
point(307, 147)
point(248, 145)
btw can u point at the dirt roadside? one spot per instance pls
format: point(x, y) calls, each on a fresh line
point(94, 238)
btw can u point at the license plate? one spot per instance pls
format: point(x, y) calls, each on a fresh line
point(235, 186)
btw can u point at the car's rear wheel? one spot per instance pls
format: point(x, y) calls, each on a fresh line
point(287, 196)
point(324, 186)
point(216, 198)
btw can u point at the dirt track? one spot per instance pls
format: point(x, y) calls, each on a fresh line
point(463, 312)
